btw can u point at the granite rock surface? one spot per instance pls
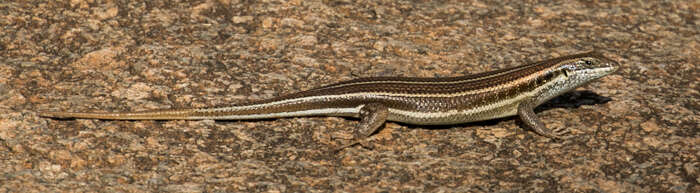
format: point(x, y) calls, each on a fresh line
point(635, 130)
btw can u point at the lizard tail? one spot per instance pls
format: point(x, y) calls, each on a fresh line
point(142, 115)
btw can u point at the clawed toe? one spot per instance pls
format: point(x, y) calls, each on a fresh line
point(560, 133)
point(343, 146)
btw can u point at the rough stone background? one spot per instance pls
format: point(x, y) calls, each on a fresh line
point(635, 131)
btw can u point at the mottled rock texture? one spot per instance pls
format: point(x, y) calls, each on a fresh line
point(635, 131)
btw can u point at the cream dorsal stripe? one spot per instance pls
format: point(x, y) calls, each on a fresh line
point(375, 94)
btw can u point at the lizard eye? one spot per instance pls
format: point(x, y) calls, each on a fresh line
point(587, 62)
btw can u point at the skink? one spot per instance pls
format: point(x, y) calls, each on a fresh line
point(422, 101)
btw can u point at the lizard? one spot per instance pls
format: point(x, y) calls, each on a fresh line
point(413, 100)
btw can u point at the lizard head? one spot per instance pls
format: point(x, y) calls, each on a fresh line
point(573, 71)
point(583, 68)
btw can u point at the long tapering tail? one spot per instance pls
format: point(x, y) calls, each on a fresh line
point(139, 115)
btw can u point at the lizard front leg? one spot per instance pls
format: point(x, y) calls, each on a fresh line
point(528, 116)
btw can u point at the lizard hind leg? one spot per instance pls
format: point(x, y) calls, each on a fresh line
point(372, 116)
